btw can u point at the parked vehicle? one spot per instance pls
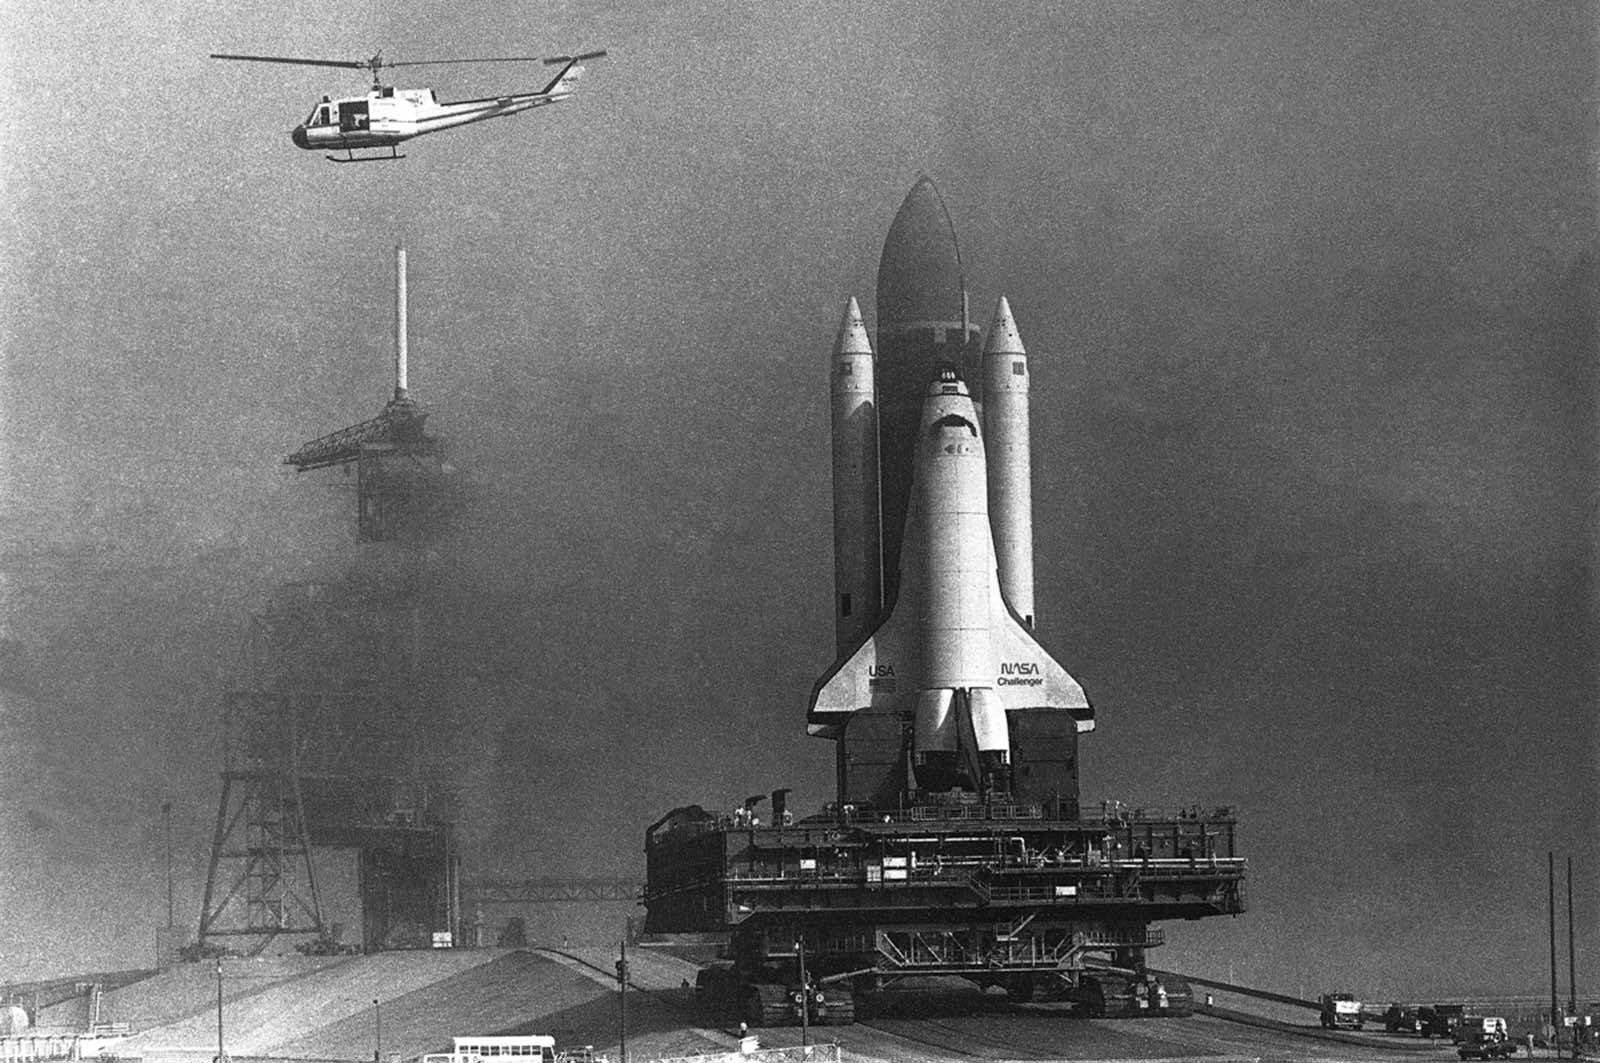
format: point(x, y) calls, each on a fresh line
point(1441, 1020)
point(1341, 1010)
point(1401, 1018)
point(522, 1048)
point(1481, 1043)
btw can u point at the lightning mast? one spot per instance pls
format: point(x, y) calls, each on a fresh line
point(397, 463)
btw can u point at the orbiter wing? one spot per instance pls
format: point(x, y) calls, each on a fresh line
point(886, 670)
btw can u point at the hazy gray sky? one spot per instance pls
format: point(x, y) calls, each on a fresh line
point(1309, 291)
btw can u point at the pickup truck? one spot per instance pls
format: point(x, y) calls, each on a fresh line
point(1481, 1044)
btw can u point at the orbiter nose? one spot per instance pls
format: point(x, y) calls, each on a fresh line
point(298, 135)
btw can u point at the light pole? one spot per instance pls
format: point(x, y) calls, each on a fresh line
point(1572, 967)
point(622, 1003)
point(805, 994)
point(166, 823)
point(1555, 1013)
point(222, 1056)
point(377, 1032)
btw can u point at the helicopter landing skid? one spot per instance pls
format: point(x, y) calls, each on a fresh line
point(351, 156)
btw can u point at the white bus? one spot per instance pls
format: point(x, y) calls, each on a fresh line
point(529, 1048)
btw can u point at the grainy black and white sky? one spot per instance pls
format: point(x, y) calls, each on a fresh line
point(1310, 295)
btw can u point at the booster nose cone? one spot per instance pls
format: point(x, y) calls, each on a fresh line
point(852, 332)
point(1003, 335)
point(298, 135)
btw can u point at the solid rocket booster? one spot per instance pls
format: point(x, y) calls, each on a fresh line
point(1005, 429)
point(857, 561)
point(950, 650)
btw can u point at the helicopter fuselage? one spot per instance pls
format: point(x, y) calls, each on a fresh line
point(386, 116)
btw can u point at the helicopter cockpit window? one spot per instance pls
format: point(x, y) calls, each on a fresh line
point(319, 115)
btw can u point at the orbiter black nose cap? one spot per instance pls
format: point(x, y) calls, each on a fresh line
point(919, 275)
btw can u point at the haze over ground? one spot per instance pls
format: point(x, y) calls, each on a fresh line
point(1309, 295)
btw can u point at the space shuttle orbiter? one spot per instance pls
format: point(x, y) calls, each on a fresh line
point(951, 653)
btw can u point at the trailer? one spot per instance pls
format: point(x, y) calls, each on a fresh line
point(823, 913)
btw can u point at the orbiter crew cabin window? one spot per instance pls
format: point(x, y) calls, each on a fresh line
point(952, 420)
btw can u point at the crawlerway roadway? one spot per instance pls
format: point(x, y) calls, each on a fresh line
point(297, 1008)
point(948, 1019)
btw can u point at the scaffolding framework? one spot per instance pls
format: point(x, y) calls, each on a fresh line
point(324, 751)
point(261, 853)
point(399, 467)
point(396, 483)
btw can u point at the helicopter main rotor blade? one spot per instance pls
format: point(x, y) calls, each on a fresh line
point(348, 64)
point(554, 59)
point(377, 62)
point(450, 62)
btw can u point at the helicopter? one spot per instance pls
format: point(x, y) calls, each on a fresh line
point(387, 117)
